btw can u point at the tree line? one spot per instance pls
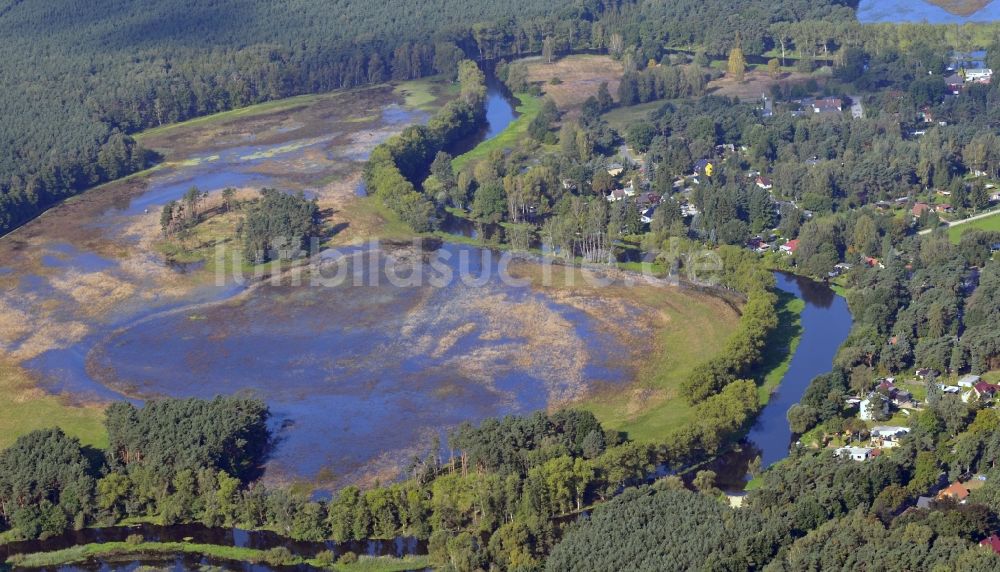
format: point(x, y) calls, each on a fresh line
point(399, 165)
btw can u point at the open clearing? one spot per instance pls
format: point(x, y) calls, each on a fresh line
point(988, 223)
point(579, 78)
point(755, 84)
point(26, 408)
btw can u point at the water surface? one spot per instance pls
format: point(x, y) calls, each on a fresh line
point(826, 322)
point(916, 11)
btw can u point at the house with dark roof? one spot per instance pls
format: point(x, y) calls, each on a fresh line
point(955, 83)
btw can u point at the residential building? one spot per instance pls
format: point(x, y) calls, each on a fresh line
point(981, 391)
point(955, 491)
point(969, 380)
point(704, 167)
point(978, 75)
point(887, 436)
point(873, 407)
point(993, 543)
point(855, 453)
point(828, 105)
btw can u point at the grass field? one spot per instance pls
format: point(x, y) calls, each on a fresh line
point(989, 223)
point(122, 550)
point(240, 113)
point(424, 93)
point(527, 109)
point(620, 118)
point(578, 77)
point(26, 408)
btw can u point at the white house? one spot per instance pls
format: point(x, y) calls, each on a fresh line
point(980, 75)
point(873, 407)
point(969, 381)
point(855, 453)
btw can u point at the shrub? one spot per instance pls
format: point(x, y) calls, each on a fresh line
point(279, 556)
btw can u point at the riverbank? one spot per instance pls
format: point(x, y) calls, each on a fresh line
point(120, 551)
point(527, 109)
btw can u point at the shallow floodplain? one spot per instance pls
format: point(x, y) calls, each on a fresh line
point(359, 375)
point(365, 373)
point(94, 262)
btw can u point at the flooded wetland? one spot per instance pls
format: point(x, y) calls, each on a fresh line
point(360, 375)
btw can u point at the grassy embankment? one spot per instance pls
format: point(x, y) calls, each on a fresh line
point(781, 345)
point(527, 108)
point(25, 408)
point(239, 113)
point(693, 326)
point(124, 550)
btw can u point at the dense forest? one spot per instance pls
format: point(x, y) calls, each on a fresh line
point(159, 455)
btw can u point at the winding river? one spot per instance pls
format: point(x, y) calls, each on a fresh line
point(826, 323)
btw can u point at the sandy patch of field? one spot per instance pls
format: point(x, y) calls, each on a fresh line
point(755, 84)
point(580, 78)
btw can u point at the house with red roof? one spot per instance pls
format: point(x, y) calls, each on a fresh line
point(790, 247)
point(993, 543)
point(920, 209)
point(982, 391)
point(956, 491)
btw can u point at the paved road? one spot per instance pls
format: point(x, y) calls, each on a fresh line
point(965, 220)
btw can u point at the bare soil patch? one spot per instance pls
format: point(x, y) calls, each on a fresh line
point(579, 77)
point(755, 84)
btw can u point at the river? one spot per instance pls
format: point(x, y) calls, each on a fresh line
point(299, 350)
point(826, 323)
